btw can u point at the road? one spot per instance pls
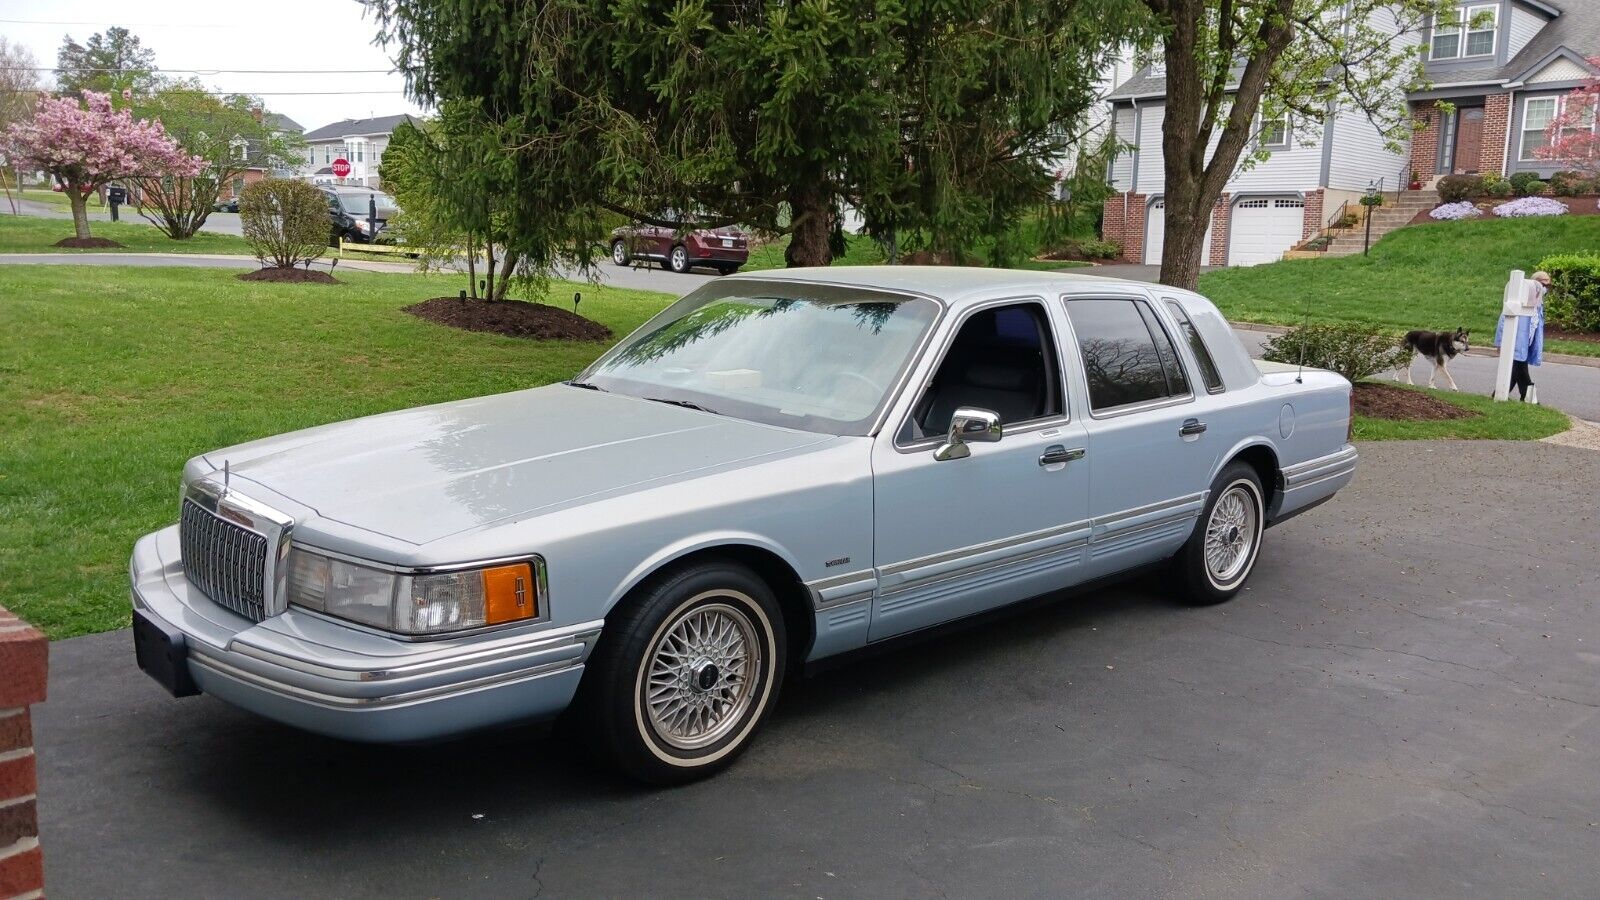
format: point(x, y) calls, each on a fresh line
point(1402, 704)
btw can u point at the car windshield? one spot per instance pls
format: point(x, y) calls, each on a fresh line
point(812, 357)
point(356, 203)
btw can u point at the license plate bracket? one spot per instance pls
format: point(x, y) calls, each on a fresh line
point(163, 654)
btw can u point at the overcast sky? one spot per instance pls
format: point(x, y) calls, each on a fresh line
point(220, 35)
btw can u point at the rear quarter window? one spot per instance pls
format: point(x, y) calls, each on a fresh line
point(1197, 347)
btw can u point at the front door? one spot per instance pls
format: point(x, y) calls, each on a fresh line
point(1469, 140)
point(1148, 437)
point(958, 536)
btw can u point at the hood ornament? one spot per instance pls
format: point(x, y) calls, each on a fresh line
point(225, 476)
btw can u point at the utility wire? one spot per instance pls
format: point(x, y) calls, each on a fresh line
point(203, 71)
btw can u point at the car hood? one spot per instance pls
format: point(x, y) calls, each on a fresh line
point(422, 474)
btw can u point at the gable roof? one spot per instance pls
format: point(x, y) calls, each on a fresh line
point(1574, 32)
point(376, 125)
point(281, 122)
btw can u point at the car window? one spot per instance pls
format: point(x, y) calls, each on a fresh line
point(1177, 379)
point(1002, 360)
point(1127, 357)
point(1197, 346)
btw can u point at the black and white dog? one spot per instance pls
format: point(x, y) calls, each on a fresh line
point(1438, 346)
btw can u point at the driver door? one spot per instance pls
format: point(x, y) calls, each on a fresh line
point(958, 536)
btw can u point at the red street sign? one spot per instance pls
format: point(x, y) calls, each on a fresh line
point(341, 167)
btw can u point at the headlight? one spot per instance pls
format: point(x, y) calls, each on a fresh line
point(361, 224)
point(433, 603)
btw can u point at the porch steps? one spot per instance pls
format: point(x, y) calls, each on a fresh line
point(1386, 218)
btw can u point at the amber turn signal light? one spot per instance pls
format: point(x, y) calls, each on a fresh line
point(509, 594)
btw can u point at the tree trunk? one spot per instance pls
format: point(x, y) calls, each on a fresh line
point(811, 212)
point(488, 243)
point(1184, 235)
point(472, 267)
point(508, 262)
point(80, 210)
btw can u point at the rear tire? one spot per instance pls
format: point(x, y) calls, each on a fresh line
point(727, 270)
point(685, 673)
point(619, 253)
point(1219, 557)
point(678, 259)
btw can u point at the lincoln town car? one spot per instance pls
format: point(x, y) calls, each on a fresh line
point(778, 469)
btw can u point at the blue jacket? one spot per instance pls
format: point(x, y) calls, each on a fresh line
point(1529, 347)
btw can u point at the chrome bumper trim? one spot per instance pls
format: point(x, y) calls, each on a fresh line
point(1342, 462)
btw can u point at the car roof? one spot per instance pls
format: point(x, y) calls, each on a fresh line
point(952, 284)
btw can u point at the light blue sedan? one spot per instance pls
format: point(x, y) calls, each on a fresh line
point(779, 468)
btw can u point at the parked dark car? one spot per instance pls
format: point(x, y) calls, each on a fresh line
point(229, 205)
point(681, 249)
point(350, 212)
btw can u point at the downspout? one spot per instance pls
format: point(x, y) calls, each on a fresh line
point(1511, 110)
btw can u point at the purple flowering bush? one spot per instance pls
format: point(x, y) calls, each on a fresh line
point(1450, 212)
point(1530, 206)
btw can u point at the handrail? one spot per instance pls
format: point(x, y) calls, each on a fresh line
point(1338, 216)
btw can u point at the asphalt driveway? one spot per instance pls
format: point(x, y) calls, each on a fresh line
point(1405, 703)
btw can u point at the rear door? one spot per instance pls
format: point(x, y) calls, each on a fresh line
point(1148, 439)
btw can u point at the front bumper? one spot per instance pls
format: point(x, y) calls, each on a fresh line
point(314, 673)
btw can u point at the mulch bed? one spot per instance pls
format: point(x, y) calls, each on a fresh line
point(89, 243)
point(291, 275)
point(1386, 401)
point(512, 318)
point(1576, 206)
point(1585, 336)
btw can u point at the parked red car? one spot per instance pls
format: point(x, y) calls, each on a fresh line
point(723, 249)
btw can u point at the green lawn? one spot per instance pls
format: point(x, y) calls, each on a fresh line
point(58, 199)
point(1509, 421)
point(111, 377)
point(1437, 276)
point(32, 234)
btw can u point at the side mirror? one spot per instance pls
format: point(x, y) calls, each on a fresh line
point(969, 425)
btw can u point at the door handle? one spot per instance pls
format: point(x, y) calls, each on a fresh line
point(1056, 454)
point(1192, 427)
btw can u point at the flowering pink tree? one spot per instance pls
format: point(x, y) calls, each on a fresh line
point(87, 145)
point(1570, 138)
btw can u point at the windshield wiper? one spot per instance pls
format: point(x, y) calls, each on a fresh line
point(683, 403)
point(587, 386)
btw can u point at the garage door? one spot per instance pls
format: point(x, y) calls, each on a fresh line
point(1263, 228)
point(1155, 235)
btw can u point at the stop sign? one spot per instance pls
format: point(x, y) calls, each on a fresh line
point(341, 167)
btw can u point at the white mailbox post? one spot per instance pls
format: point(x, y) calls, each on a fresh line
point(1513, 305)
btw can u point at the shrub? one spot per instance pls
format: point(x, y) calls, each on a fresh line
point(1570, 184)
point(1449, 212)
point(1574, 298)
point(1495, 186)
point(284, 220)
point(1530, 206)
point(1455, 188)
point(1094, 249)
point(1354, 351)
point(1526, 184)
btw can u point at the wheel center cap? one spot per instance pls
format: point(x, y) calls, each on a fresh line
point(705, 676)
point(1233, 534)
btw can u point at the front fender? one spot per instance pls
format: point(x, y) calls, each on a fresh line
point(690, 545)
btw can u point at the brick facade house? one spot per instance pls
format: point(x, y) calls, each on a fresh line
point(1501, 67)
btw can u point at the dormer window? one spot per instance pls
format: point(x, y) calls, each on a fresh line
point(1467, 32)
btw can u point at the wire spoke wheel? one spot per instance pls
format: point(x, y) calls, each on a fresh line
point(700, 675)
point(1231, 534)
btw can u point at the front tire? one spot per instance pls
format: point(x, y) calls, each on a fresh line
point(1219, 557)
point(678, 259)
point(686, 672)
point(619, 253)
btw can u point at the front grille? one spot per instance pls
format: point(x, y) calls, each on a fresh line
point(224, 561)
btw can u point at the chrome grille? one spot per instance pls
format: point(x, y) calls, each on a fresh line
point(225, 561)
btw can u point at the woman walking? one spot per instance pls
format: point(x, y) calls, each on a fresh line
point(1527, 348)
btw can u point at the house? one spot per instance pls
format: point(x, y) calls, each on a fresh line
point(1503, 64)
point(360, 142)
point(278, 124)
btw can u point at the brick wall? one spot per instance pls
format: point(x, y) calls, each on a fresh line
point(1125, 230)
point(1217, 253)
point(1496, 119)
point(1314, 218)
point(1425, 142)
point(22, 681)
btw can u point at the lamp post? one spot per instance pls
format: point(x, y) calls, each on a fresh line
point(1370, 201)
